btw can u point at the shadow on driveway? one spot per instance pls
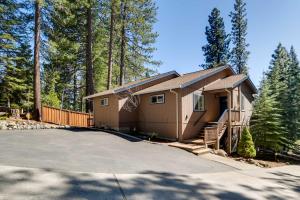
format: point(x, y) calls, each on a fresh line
point(27, 183)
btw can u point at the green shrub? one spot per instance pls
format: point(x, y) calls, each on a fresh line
point(246, 146)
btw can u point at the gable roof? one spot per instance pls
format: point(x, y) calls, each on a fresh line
point(184, 80)
point(230, 82)
point(132, 84)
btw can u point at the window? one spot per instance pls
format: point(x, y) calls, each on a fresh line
point(158, 99)
point(104, 102)
point(198, 102)
point(242, 102)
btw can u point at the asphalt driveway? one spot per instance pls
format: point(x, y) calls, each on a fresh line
point(75, 164)
point(96, 151)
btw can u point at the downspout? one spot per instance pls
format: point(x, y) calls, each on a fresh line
point(177, 114)
point(229, 118)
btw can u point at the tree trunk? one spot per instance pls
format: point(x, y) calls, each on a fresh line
point(89, 62)
point(37, 81)
point(111, 40)
point(123, 42)
point(75, 89)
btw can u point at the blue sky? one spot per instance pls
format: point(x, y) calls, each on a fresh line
point(181, 25)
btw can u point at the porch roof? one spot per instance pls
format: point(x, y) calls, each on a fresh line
point(230, 82)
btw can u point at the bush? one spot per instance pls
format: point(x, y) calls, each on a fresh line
point(246, 147)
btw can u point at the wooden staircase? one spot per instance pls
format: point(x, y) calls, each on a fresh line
point(210, 134)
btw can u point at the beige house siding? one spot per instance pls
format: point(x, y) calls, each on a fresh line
point(189, 117)
point(158, 118)
point(106, 116)
point(248, 102)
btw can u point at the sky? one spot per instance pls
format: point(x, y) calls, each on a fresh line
point(181, 25)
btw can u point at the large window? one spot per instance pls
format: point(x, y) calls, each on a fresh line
point(104, 102)
point(158, 99)
point(198, 102)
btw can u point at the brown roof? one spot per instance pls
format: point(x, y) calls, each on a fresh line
point(183, 81)
point(226, 83)
point(131, 85)
point(230, 82)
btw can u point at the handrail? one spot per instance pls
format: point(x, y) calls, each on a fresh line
point(222, 116)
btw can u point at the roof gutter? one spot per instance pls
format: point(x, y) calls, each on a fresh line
point(177, 113)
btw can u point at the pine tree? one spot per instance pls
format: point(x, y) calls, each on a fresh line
point(111, 43)
point(216, 52)
point(239, 53)
point(37, 84)
point(266, 125)
point(246, 146)
point(292, 108)
point(136, 39)
point(15, 53)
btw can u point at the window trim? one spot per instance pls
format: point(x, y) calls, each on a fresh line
point(157, 95)
point(104, 100)
point(203, 102)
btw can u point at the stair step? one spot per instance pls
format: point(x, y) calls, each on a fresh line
point(201, 151)
point(188, 147)
point(194, 141)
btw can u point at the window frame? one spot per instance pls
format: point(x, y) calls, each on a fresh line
point(194, 102)
point(156, 96)
point(105, 100)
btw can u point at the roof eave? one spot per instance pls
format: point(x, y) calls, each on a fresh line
point(206, 76)
point(147, 81)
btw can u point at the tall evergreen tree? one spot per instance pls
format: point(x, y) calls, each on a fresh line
point(266, 125)
point(111, 43)
point(15, 53)
point(216, 52)
point(239, 53)
point(37, 78)
point(292, 108)
point(137, 37)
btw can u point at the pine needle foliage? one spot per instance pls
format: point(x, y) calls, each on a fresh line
point(246, 146)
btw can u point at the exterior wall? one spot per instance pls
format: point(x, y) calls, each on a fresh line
point(106, 116)
point(192, 121)
point(128, 114)
point(115, 115)
point(158, 118)
point(248, 99)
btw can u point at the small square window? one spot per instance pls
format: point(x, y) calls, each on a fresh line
point(158, 99)
point(198, 102)
point(104, 102)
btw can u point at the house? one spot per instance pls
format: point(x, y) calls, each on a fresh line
point(201, 106)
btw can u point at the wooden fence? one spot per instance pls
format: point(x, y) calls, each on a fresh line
point(66, 117)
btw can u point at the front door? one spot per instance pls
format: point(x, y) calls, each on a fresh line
point(223, 105)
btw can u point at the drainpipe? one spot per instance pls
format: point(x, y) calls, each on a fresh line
point(177, 114)
point(229, 118)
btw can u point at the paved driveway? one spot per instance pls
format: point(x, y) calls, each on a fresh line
point(61, 164)
point(96, 151)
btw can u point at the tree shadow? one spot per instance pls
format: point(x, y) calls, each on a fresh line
point(50, 184)
point(281, 182)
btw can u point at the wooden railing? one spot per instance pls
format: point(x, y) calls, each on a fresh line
point(66, 117)
point(211, 134)
point(214, 133)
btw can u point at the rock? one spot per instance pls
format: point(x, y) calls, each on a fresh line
point(221, 152)
point(3, 127)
